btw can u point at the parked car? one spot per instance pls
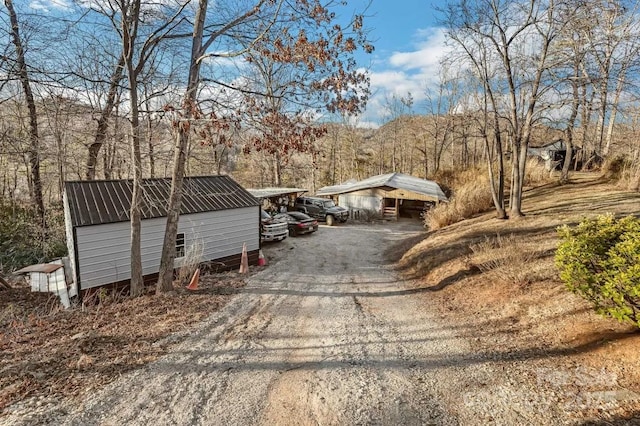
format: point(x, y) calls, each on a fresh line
point(298, 222)
point(321, 209)
point(270, 229)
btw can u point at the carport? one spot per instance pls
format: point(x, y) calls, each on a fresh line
point(273, 198)
point(389, 196)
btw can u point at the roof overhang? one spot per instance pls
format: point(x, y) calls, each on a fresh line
point(274, 192)
point(389, 182)
point(45, 268)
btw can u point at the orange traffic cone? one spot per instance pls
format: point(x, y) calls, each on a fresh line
point(261, 260)
point(193, 284)
point(244, 260)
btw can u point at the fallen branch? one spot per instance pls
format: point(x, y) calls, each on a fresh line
point(4, 284)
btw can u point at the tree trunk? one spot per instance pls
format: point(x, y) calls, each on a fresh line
point(137, 283)
point(152, 159)
point(571, 123)
point(498, 198)
point(519, 164)
point(165, 276)
point(277, 170)
point(128, 39)
point(34, 138)
point(614, 111)
point(60, 154)
point(103, 121)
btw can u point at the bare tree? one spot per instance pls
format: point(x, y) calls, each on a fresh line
point(610, 31)
point(199, 47)
point(103, 118)
point(21, 71)
point(256, 23)
point(142, 28)
point(517, 37)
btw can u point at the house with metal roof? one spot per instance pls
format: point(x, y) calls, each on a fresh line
point(217, 217)
point(388, 196)
point(553, 154)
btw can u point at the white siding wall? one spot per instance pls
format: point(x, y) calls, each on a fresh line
point(104, 250)
point(47, 282)
point(360, 202)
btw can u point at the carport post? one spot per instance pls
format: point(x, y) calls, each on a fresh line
point(397, 209)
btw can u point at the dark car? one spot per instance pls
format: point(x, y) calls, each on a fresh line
point(321, 209)
point(299, 223)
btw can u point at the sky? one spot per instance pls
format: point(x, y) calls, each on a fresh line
point(408, 46)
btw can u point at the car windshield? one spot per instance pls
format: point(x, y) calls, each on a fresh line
point(264, 215)
point(329, 204)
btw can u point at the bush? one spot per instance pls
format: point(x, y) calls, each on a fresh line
point(600, 260)
point(23, 241)
point(190, 262)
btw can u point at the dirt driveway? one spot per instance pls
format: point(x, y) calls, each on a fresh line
point(327, 335)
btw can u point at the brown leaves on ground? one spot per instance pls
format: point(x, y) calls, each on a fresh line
point(47, 350)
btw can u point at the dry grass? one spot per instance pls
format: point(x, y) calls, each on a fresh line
point(623, 170)
point(471, 195)
point(503, 293)
point(190, 262)
point(54, 352)
point(509, 259)
point(536, 174)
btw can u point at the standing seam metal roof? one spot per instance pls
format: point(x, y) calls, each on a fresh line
point(107, 201)
point(389, 181)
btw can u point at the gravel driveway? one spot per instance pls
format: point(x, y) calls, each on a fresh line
point(325, 334)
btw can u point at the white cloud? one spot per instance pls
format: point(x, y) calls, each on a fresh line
point(406, 72)
point(47, 5)
point(428, 54)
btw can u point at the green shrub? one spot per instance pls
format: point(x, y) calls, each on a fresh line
point(600, 260)
point(23, 241)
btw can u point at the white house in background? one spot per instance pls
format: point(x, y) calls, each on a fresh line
point(218, 216)
point(387, 196)
point(553, 154)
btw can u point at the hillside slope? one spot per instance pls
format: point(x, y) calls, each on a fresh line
point(506, 298)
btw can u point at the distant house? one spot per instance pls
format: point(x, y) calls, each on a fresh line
point(218, 216)
point(552, 154)
point(388, 196)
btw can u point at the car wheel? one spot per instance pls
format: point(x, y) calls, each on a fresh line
point(330, 220)
point(293, 233)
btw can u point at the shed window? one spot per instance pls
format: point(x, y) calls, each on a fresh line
point(180, 245)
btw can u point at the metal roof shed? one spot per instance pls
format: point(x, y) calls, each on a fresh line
point(217, 216)
point(389, 195)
